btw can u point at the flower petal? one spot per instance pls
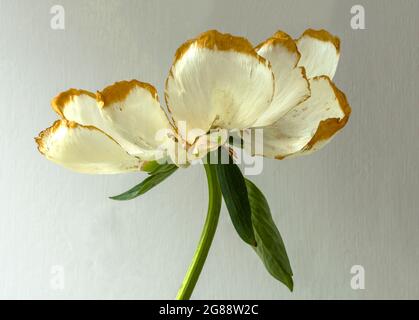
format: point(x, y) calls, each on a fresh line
point(310, 125)
point(218, 80)
point(128, 111)
point(291, 84)
point(319, 53)
point(84, 149)
point(207, 143)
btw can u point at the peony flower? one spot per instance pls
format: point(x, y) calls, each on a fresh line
point(218, 84)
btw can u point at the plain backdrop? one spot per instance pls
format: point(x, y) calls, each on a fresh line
point(353, 203)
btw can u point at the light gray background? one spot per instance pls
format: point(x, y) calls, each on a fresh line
point(355, 202)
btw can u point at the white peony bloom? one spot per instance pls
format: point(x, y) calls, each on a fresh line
point(218, 83)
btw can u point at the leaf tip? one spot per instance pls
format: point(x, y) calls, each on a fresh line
point(119, 197)
point(289, 283)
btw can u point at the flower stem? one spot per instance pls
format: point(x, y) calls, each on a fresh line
point(214, 206)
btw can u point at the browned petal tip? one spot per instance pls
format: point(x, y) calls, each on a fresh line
point(280, 38)
point(327, 128)
point(45, 133)
point(59, 102)
point(304, 74)
point(280, 157)
point(215, 40)
point(323, 35)
point(120, 90)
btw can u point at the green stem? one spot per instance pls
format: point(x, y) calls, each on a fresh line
point(214, 206)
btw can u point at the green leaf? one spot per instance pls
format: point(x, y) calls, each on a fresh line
point(153, 167)
point(149, 166)
point(271, 248)
point(233, 188)
point(145, 185)
point(163, 168)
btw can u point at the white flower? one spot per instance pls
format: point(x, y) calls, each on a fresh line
point(217, 82)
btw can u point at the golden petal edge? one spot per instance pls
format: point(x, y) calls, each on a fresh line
point(120, 90)
point(50, 130)
point(327, 128)
point(56, 125)
point(215, 40)
point(283, 39)
point(60, 101)
point(322, 35)
point(304, 75)
point(280, 157)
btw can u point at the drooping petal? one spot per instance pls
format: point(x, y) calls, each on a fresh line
point(308, 126)
point(84, 149)
point(291, 84)
point(319, 53)
point(128, 111)
point(218, 81)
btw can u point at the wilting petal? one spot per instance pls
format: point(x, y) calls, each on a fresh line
point(84, 149)
point(310, 125)
point(291, 84)
point(319, 53)
point(128, 111)
point(218, 80)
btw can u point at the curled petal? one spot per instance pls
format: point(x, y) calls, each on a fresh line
point(308, 126)
point(218, 81)
point(128, 111)
point(319, 53)
point(291, 84)
point(84, 149)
